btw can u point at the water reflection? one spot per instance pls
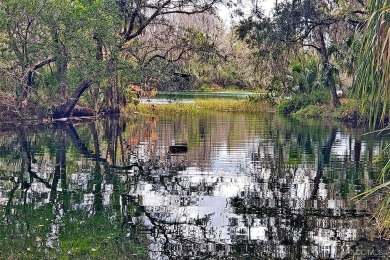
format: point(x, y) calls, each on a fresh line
point(218, 186)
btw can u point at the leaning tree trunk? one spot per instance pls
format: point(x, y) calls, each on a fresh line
point(28, 79)
point(66, 109)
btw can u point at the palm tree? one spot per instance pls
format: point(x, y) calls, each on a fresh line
point(372, 77)
point(372, 83)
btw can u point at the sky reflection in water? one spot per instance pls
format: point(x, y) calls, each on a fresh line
point(246, 186)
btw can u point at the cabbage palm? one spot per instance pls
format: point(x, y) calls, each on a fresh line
point(305, 76)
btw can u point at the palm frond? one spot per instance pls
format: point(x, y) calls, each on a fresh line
point(371, 84)
point(372, 78)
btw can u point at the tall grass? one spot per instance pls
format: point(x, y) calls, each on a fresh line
point(200, 106)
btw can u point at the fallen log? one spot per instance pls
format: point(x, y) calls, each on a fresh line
point(79, 111)
point(66, 109)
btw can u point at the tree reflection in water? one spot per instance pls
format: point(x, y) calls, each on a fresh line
point(245, 187)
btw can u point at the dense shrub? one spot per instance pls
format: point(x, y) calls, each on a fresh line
point(350, 111)
point(323, 111)
point(298, 102)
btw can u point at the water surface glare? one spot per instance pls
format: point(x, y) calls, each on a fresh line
point(216, 186)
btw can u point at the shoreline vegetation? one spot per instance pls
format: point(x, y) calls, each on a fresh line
point(200, 106)
point(313, 106)
point(303, 109)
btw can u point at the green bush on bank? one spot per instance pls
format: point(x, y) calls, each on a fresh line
point(316, 105)
point(297, 102)
point(322, 111)
point(349, 112)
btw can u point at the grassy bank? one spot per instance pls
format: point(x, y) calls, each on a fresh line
point(200, 106)
point(313, 106)
point(349, 111)
point(316, 105)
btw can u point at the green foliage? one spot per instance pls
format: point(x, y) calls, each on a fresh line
point(233, 64)
point(349, 111)
point(371, 84)
point(130, 96)
point(304, 76)
point(314, 111)
point(321, 29)
point(197, 38)
point(372, 81)
point(64, 43)
point(60, 30)
point(298, 102)
point(129, 71)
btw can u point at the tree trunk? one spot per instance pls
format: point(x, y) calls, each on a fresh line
point(327, 73)
point(115, 105)
point(28, 80)
point(99, 47)
point(65, 110)
point(26, 87)
point(334, 97)
point(112, 96)
point(62, 64)
point(329, 83)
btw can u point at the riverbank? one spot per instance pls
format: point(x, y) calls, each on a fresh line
point(300, 108)
point(348, 112)
point(200, 106)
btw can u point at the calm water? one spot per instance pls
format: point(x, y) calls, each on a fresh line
point(218, 186)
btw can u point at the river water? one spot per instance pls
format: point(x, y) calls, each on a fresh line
point(216, 186)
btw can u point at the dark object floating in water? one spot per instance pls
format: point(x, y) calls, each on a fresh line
point(179, 148)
